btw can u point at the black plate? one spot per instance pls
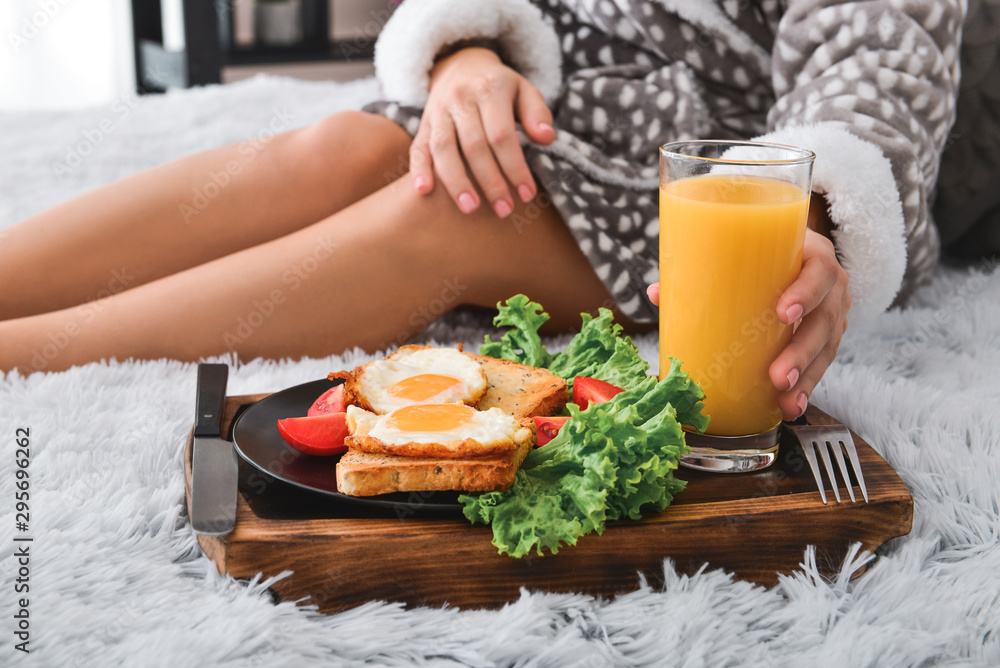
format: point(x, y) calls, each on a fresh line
point(259, 442)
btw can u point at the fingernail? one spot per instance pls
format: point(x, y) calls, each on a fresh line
point(502, 207)
point(793, 377)
point(467, 203)
point(802, 402)
point(653, 292)
point(525, 192)
point(544, 127)
point(420, 183)
point(793, 313)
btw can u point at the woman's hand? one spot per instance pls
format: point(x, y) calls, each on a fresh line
point(468, 125)
point(819, 299)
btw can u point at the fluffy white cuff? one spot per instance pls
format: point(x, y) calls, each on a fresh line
point(419, 29)
point(857, 180)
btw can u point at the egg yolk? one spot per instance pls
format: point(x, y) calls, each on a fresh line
point(422, 386)
point(430, 417)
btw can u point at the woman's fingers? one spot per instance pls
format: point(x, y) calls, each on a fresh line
point(794, 401)
point(470, 123)
point(821, 299)
point(498, 123)
point(421, 165)
point(481, 159)
point(449, 164)
point(534, 114)
point(820, 272)
point(653, 292)
point(801, 365)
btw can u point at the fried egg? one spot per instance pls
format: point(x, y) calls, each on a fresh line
point(415, 375)
point(435, 430)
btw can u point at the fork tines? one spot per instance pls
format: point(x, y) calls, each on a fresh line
point(827, 439)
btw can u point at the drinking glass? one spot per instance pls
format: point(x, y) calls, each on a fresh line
point(732, 227)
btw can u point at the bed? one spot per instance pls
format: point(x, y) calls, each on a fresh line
point(117, 578)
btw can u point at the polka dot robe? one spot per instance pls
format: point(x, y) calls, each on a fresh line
point(637, 75)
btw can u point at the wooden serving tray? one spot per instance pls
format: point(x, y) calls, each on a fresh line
point(756, 526)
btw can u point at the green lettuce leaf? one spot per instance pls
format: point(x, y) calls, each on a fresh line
point(522, 343)
point(613, 461)
point(598, 350)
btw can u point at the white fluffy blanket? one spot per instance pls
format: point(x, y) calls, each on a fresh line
point(116, 577)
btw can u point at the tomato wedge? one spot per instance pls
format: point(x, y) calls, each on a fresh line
point(547, 428)
point(331, 401)
point(586, 390)
point(321, 435)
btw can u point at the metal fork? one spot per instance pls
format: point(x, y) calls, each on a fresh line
point(827, 438)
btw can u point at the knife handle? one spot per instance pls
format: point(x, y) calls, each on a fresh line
point(211, 400)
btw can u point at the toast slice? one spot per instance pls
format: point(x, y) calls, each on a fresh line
point(364, 474)
point(521, 390)
point(517, 389)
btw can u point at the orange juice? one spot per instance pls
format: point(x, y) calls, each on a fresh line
point(729, 246)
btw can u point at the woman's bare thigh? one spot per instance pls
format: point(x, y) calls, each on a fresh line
point(361, 277)
point(193, 210)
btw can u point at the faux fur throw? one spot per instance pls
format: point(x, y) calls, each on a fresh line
point(117, 579)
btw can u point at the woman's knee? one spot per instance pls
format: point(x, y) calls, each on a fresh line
point(364, 142)
point(490, 257)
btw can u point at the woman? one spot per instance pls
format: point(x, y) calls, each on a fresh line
point(341, 233)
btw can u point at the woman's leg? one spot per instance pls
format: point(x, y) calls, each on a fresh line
point(370, 275)
point(193, 210)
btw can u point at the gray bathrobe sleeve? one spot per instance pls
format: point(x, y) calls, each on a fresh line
point(886, 73)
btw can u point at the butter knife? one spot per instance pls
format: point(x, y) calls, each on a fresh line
point(214, 471)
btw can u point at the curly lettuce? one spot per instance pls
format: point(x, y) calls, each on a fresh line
point(598, 350)
point(522, 342)
point(613, 461)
